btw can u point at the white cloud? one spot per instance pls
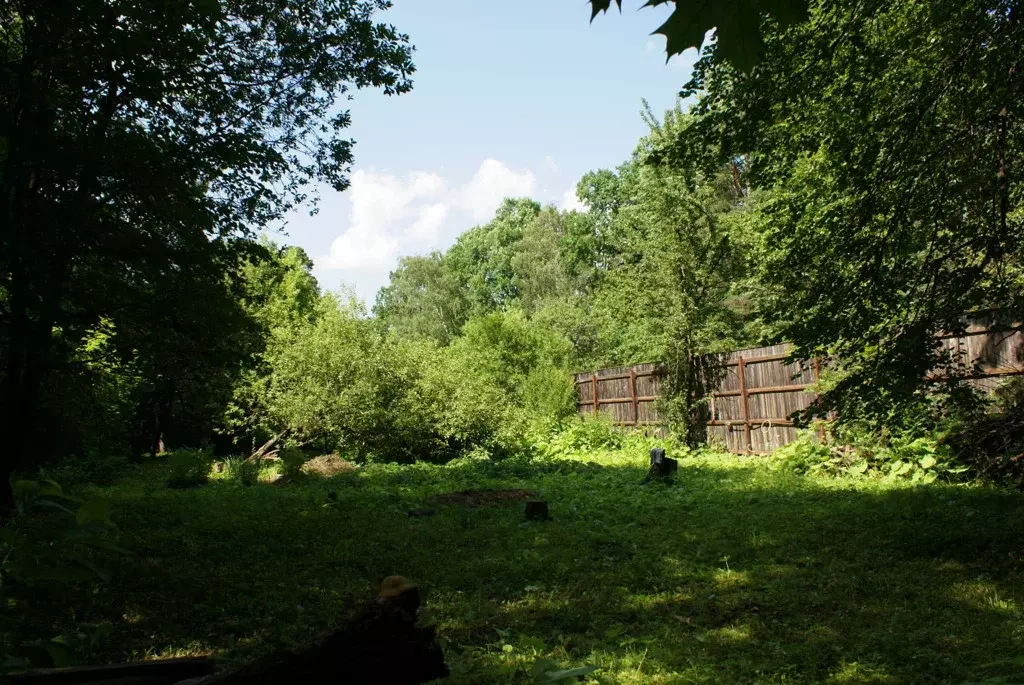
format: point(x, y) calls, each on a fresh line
point(550, 164)
point(391, 215)
point(570, 202)
point(427, 226)
point(491, 184)
point(380, 205)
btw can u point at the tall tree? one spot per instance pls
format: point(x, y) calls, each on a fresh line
point(887, 138)
point(129, 128)
point(482, 257)
point(680, 256)
point(424, 298)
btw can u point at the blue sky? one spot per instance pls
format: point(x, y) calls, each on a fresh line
point(510, 98)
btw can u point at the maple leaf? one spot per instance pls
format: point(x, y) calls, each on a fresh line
point(737, 24)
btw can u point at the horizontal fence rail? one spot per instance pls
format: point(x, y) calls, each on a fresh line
point(759, 392)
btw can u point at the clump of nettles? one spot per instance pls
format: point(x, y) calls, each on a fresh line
point(921, 459)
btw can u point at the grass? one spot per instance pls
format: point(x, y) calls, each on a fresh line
point(738, 573)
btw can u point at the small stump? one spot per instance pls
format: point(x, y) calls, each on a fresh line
point(662, 468)
point(537, 510)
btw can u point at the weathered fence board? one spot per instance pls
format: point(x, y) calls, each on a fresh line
point(759, 391)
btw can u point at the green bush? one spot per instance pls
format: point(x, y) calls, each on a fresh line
point(80, 470)
point(992, 444)
point(583, 434)
point(189, 467)
point(242, 470)
point(52, 547)
point(915, 458)
point(292, 460)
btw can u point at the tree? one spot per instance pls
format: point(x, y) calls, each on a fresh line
point(332, 381)
point(424, 298)
point(128, 130)
point(540, 275)
point(482, 256)
point(886, 139)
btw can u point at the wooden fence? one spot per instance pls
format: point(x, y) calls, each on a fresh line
point(759, 391)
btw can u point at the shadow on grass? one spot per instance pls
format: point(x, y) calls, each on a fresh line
point(735, 574)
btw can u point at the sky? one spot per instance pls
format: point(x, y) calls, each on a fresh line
point(510, 99)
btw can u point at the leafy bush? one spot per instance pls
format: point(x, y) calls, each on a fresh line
point(583, 434)
point(993, 444)
point(189, 467)
point(242, 470)
point(97, 470)
point(292, 461)
point(60, 548)
point(920, 459)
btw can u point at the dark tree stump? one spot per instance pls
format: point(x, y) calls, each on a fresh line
point(537, 510)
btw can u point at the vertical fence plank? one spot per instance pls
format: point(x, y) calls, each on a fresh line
point(593, 387)
point(632, 393)
point(816, 365)
point(747, 447)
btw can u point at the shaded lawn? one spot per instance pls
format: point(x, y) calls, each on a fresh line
point(737, 573)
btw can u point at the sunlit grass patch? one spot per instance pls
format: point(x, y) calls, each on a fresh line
point(737, 572)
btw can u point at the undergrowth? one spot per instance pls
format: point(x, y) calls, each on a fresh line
point(738, 572)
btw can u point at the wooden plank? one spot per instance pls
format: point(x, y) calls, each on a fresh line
point(623, 400)
point(758, 360)
point(162, 670)
point(632, 392)
point(751, 422)
point(772, 395)
point(743, 403)
point(763, 391)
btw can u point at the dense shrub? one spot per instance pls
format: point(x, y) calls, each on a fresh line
point(243, 471)
point(189, 467)
point(993, 444)
point(292, 461)
point(907, 457)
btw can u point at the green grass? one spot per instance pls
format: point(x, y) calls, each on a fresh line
point(738, 573)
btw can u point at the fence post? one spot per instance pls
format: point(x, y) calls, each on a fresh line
point(632, 394)
point(740, 366)
point(593, 387)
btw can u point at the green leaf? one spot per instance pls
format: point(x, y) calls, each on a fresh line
point(541, 667)
point(928, 462)
point(68, 573)
point(94, 510)
point(736, 23)
point(598, 6)
point(60, 654)
point(52, 488)
point(54, 505)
